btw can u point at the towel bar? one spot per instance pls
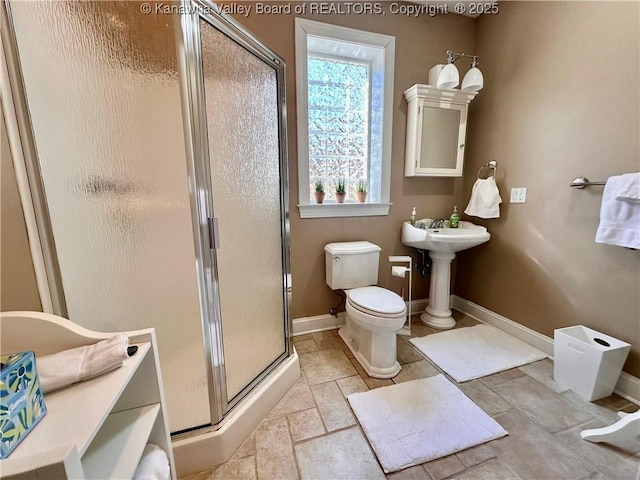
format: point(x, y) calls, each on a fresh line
point(492, 165)
point(582, 182)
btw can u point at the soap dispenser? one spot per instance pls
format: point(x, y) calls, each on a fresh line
point(412, 218)
point(454, 220)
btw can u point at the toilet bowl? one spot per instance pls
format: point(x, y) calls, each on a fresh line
point(374, 314)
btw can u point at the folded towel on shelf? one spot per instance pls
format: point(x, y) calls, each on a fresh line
point(485, 199)
point(620, 213)
point(154, 464)
point(629, 188)
point(64, 368)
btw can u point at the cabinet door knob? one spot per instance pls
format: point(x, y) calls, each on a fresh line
point(462, 146)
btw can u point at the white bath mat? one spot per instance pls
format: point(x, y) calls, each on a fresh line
point(474, 352)
point(421, 420)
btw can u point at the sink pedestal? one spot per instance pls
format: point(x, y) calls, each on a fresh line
point(438, 314)
point(442, 244)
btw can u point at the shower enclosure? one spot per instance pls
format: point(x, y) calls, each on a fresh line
point(155, 142)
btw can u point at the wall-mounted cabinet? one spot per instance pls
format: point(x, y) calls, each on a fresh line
point(436, 130)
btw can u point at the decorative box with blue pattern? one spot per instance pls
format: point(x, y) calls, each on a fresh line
point(21, 400)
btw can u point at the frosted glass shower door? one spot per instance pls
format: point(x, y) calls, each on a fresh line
point(243, 130)
point(102, 85)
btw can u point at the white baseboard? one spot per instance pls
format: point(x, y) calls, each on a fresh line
point(627, 387)
point(317, 323)
point(419, 305)
point(522, 333)
point(320, 323)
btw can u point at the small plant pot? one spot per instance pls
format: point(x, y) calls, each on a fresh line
point(319, 196)
point(362, 196)
point(340, 197)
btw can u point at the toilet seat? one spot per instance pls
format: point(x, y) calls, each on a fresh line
point(383, 310)
point(377, 302)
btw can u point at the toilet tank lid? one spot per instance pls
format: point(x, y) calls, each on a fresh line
point(344, 248)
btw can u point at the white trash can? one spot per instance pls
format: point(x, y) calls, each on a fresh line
point(588, 362)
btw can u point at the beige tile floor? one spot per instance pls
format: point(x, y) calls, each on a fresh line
point(313, 434)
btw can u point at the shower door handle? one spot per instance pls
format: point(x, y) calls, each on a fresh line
point(214, 237)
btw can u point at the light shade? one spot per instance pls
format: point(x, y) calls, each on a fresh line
point(473, 81)
point(449, 77)
point(434, 74)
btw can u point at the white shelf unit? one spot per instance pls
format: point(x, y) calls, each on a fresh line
point(93, 429)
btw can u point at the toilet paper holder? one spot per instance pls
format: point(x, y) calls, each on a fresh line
point(398, 271)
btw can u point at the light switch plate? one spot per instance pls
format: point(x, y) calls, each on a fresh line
point(519, 195)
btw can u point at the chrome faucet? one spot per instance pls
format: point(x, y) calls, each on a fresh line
point(437, 223)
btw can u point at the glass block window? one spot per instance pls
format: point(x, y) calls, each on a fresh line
point(339, 112)
point(344, 100)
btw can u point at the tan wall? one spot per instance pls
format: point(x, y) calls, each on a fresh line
point(420, 43)
point(560, 101)
point(18, 290)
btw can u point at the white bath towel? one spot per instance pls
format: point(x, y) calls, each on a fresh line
point(629, 186)
point(620, 212)
point(154, 464)
point(485, 199)
point(64, 368)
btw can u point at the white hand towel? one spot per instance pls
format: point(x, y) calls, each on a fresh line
point(70, 366)
point(154, 464)
point(485, 199)
point(619, 218)
point(629, 185)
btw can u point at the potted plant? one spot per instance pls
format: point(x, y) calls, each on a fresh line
point(341, 190)
point(361, 191)
point(319, 193)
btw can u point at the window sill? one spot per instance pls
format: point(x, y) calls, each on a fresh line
point(326, 210)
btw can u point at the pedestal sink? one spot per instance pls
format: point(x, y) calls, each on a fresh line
point(442, 243)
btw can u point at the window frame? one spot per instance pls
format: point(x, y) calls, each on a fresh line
point(304, 29)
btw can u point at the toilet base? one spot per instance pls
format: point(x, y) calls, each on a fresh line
point(381, 347)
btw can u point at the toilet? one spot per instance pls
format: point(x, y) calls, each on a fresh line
point(374, 314)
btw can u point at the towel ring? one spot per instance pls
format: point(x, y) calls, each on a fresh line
point(492, 166)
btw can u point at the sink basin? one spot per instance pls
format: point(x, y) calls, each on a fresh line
point(442, 243)
point(467, 235)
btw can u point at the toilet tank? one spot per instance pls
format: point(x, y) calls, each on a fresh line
point(351, 264)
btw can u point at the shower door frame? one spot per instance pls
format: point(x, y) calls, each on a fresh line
point(204, 220)
point(30, 182)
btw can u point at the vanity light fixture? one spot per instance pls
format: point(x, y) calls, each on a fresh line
point(449, 76)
